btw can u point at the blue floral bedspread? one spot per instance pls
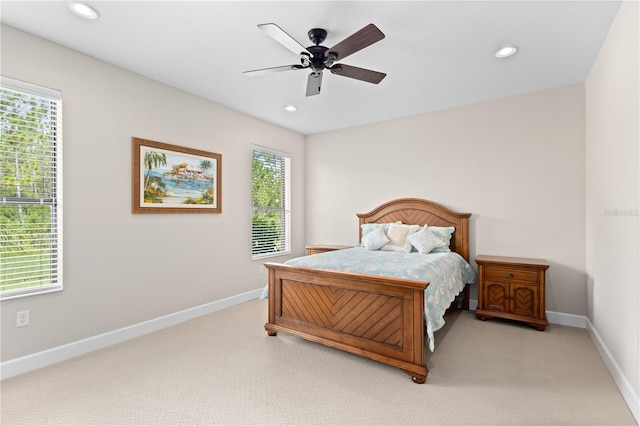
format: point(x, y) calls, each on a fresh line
point(446, 273)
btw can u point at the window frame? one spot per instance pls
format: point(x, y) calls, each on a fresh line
point(284, 209)
point(53, 279)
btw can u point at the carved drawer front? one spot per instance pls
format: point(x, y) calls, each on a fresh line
point(510, 274)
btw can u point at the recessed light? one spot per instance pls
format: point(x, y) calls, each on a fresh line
point(291, 108)
point(83, 10)
point(506, 51)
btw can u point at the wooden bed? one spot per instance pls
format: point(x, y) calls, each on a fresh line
point(336, 308)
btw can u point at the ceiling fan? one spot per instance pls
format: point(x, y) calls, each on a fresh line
point(317, 58)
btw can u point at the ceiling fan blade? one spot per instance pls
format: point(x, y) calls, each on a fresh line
point(273, 70)
point(369, 76)
point(355, 42)
point(279, 35)
point(313, 83)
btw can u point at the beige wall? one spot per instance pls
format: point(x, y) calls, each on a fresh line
point(517, 164)
point(121, 269)
point(612, 183)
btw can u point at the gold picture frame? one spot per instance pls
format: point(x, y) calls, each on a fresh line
point(173, 179)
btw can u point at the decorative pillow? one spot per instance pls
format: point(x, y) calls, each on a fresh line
point(425, 240)
point(444, 233)
point(369, 227)
point(375, 239)
point(397, 235)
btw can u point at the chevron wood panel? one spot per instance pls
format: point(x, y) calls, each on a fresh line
point(307, 303)
point(496, 295)
point(357, 313)
point(385, 325)
point(373, 315)
point(524, 300)
point(410, 217)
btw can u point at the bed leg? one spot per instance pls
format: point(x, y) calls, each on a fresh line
point(417, 374)
point(465, 298)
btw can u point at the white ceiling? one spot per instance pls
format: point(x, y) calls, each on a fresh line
point(437, 54)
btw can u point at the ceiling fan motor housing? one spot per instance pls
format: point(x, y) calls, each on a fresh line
point(317, 57)
point(320, 59)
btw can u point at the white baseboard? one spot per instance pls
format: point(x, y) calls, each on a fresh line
point(616, 372)
point(473, 304)
point(571, 320)
point(48, 357)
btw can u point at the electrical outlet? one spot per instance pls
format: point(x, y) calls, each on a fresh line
point(22, 318)
point(262, 269)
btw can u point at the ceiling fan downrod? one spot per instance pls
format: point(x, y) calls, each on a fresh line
point(317, 35)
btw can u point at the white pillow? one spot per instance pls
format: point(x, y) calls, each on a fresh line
point(375, 239)
point(444, 233)
point(368, 227)
point(425, 240)
point(397, 235)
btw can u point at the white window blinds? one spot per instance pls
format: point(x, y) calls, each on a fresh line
point(271, 198)
point(30, 189)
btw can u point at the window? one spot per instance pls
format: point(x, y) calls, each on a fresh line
point(30, 189)
point(271, 198)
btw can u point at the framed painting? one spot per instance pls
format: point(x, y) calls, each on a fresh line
point(173, 179)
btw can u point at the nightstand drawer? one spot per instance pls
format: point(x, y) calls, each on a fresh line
point(498, 273)
point(322, 248)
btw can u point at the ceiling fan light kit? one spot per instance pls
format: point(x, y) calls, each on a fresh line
point(317, 58)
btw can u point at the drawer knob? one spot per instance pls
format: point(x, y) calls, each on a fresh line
point(509, 275)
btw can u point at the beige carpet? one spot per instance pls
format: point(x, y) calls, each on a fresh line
point(224, 369)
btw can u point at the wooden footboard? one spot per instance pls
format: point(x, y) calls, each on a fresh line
point(374, 317)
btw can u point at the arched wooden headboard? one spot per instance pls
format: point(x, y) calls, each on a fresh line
point(416, 211)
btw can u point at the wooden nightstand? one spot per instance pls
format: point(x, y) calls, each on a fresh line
point(512, 288)
point(321, 248)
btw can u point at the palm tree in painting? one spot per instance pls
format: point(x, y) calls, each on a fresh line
point(207, 194)
point(206, 165)
point(153, 159)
